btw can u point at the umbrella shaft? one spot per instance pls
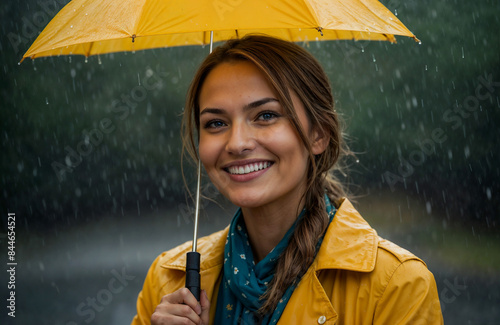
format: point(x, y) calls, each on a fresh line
point(197, 210)
point(198, 185)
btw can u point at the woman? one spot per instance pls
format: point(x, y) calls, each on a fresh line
point(296, 252)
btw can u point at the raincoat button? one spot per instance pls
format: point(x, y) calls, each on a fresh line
point(321, 320)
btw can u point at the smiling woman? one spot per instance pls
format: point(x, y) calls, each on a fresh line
point(250, 129)
point(296, 251)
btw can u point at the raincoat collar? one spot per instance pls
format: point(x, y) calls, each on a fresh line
point(349, 244)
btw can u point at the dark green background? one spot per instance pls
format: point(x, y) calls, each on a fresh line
point(393, 97)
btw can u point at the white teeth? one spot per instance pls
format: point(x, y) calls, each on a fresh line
point(240, 170)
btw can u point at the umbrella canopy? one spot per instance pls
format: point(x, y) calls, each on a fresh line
point(89, 27)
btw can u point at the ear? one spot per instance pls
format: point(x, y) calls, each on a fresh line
point(319, 141)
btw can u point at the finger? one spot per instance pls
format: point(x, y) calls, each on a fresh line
point(167, 313)
point(205, 307)
point(184, 296)
point(190, 300)
point(159, 318)
point(177, 308)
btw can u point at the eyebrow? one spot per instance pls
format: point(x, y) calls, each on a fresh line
point(247, 107)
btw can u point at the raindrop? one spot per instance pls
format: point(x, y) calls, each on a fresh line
point(488, 193)
point(86, 59)
point(47, 100)
point(467, 151)
point(395, 12)
point(428, 207)
point(373, 56)
point(99, 59)
point(419, 42)
point(414, 101)
point(71, 26)
point(463, 55)
point(357, 160)
point(73, 73)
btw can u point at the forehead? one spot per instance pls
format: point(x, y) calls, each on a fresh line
point(235, 84)
point(229, 79)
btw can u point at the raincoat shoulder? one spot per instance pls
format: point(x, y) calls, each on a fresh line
point(168, 274)
point(358, 277)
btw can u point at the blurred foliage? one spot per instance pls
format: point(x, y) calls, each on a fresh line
point(393, 97)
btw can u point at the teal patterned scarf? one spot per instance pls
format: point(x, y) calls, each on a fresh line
point(244, 282)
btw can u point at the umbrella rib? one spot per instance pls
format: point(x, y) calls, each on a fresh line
point(290, 34)
point(90, 49)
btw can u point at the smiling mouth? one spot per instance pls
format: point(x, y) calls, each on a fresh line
point(249, 168)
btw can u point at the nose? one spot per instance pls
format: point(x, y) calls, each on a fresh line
point(240, 139)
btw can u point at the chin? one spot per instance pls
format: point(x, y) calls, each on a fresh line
point(246, 200)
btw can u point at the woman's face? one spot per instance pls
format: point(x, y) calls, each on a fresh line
point(248, 146)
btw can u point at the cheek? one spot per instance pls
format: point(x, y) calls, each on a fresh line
point(208, 152)
point(286, 144)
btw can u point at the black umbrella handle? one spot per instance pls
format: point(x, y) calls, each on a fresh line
point(193, 273)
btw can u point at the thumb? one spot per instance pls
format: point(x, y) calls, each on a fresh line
point(205, 307)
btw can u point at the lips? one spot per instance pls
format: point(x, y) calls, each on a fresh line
point(242, 169)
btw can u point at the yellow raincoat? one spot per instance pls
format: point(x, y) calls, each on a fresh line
point(356, 278)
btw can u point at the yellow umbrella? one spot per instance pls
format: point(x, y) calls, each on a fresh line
point(89, 27)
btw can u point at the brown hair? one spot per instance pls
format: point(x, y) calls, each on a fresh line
point(287, 66)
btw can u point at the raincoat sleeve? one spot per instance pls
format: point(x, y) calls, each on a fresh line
point(410, 297)
point(148, 297)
